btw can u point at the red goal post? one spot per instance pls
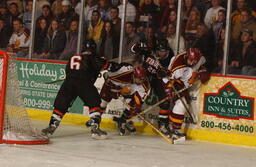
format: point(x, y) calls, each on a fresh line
point(15, 125)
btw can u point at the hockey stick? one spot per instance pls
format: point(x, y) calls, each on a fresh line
point(169, 140)
point(150, 108)
point(182, 101)
point(55, 81)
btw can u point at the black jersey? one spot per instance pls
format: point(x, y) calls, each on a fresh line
point(154, 66)
point(86, 66)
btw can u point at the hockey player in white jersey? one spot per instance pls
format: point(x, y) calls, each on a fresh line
point(131, 83)
point(185, 69)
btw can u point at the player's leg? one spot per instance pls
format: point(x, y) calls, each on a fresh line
point(106, 94)
point(90, 96)
point(177, 118)
point(163, 121)
point(63, 101)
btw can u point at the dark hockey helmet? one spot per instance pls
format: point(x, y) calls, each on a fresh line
point(139, 74)
point(140, 48)
point(162, 45)
point(89, 44)
point(194, 55)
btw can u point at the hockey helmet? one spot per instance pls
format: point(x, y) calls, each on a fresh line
point(194, 55)
point(140, 48)
point(139, 74)
point(89, 44)
point(162, 45)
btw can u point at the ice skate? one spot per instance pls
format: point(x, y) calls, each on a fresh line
point(178, 136)
point(121, 125)
point(49, 130)
point(97, 133)
point(164, 128)
point(89, 123)
point(130, 127)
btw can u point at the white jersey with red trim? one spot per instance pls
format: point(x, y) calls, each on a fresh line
point(180, 69)
point(123, 78)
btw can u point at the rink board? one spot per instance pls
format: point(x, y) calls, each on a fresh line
point(224, 108)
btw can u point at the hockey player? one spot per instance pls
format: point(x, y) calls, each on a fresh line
point(131, 83)
point(81, 73)
point(156, 65)
point(185, 69)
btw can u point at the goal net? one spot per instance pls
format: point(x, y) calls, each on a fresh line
point(15, 125)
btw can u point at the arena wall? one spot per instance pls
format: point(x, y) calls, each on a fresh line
point(223, 108)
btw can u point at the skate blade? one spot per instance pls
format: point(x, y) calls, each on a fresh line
point(179, 140)
point(97, 137)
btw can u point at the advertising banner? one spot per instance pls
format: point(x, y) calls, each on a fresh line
point(34, 78)
point(227, 105)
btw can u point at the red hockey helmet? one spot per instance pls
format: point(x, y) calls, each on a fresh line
point(139, 74)
point(194, 55)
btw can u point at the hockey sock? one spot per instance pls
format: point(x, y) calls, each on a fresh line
point(56, 118)
point(176, 120)
point(163, 116)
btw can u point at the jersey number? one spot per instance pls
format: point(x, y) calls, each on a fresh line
point(75, 62)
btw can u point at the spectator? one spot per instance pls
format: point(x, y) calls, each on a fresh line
point(130, 38)
point(71, 43)
point(27, 16)
point(141, 2)
point(166, 11)
point(189, 5)
point(212, 13)
point(46, 14)
point(191, 27)
point(171, 37)
point(148, 15)
point(109, 45)
point(39, 6)
point(205, 42)
point(74, 3)
point(67, 14)
point(114, 3)
point(115, 20)
point(172, 19)
point(57, 7)
point(14, 12)
point(95, 27)
point(5, 15)
point(130, 11)
point(217, 25)
point(140, 31)
point(40, 36)
point(247, 22)
point(244, 59)
point(219, 52)
point(150, 38)
point(4, 35)
point(20, 40)
point(203, 6)
point(19, 4)
point(55, 41)
point(89, 8)
point(103, 6)
point(240, 6)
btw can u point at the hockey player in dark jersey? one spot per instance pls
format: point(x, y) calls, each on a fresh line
point(81, 73)
point(156, 64)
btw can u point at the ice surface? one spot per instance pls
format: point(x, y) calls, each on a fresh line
point(72, 146)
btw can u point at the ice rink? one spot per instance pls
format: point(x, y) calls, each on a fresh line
point(72, 146)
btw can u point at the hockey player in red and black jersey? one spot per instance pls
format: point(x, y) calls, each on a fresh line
point(81, 73)
point(156, 64)
point(185, 69)
point(131, 83)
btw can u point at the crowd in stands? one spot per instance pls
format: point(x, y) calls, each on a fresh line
point(202, 25)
